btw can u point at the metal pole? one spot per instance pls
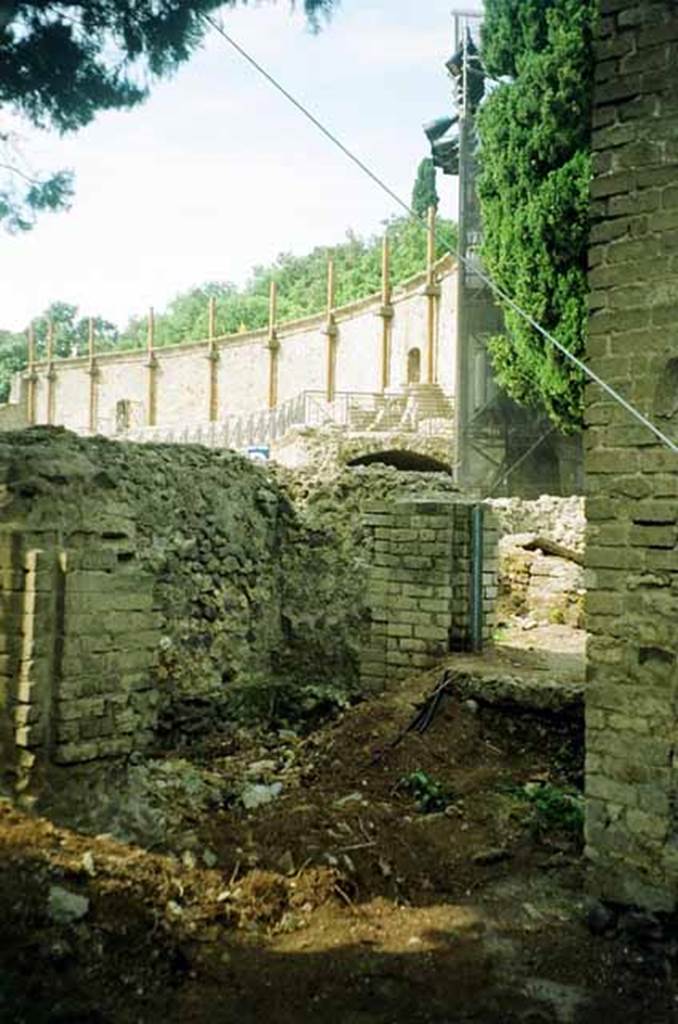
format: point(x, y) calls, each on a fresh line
point(51, 372)
point(213, 361)
point(32, 376)
point(461, 389)
point(331, 331)
point(151, 412)
point(432, 295)
point(386, 314)
point(273, 346)
point(92, 371)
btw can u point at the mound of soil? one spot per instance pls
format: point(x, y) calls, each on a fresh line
point(341, 900)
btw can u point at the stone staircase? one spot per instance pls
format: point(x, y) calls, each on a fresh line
point(422, 407)
point(425, 402)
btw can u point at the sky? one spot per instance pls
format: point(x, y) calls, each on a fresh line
point(216, 172)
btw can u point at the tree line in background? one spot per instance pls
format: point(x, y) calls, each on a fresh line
point(62, 63)
point(302, 291)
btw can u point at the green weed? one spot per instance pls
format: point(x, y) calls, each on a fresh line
point(431, 796)
point(553, 808)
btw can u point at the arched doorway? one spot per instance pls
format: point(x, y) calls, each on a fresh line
point(404, 460)
point(414, 366)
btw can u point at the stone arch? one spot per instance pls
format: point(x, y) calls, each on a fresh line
point(414, 366)
point(403, 459)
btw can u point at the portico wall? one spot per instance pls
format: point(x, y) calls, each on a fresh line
point(180, 375)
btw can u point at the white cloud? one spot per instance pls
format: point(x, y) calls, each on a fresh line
point(217, 172)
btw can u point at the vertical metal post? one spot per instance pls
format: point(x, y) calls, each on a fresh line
point(152, 365)
point(331, 332)
point(32, 377)
point(93, 374)
point(213, 361)
point(432, 296)
point(273, 346)
point(386, 313)
point(461, 376)
point(51, 372)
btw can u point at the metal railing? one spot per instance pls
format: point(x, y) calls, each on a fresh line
point(351, 410)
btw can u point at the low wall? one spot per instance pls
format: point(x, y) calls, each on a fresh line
point(419, 584)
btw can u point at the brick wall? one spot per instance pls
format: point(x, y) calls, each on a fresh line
point(419, 584)
point(632, 481)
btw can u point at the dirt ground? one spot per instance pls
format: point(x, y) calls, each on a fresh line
point(340, 901)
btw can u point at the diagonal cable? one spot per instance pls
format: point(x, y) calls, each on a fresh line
point(495, 288)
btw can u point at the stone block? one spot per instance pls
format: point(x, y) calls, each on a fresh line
point(436, 633)
point(602, 788)
point(398, 629)
point(399, 658)
point(645, 825)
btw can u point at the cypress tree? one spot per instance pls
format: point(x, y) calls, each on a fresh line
point(535, 142)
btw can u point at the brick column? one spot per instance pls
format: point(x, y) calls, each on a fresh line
point(419, 585)
point(632, 481)
point(30, 587)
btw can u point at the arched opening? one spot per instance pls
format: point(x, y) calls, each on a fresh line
point(123, 415)
point(410, 461)
point(414, 366)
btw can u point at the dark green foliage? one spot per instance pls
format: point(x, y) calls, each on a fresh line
point(13, 357)
point(553, 808)
point(62, 63)
point(424, 194)
point(22, 199)
point(71, 332)
point(302, 285)
point(431, 796)
point(70, 338)
point(534, 192)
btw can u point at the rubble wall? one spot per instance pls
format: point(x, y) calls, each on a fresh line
point(632, 480)
point(139, 584)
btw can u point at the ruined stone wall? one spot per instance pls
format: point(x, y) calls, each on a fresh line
point(140, 585)
point(182, 372)
point(632, 481)
point(419, 584)
point(562, 520)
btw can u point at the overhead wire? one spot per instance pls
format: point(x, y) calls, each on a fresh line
point(495, 288)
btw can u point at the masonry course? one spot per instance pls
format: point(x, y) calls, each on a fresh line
point(632, 482)
point(146, 588)
point(140, 585)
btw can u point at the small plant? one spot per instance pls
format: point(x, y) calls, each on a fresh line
point(553, 808)
point(501, 633)
point(431, 795)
